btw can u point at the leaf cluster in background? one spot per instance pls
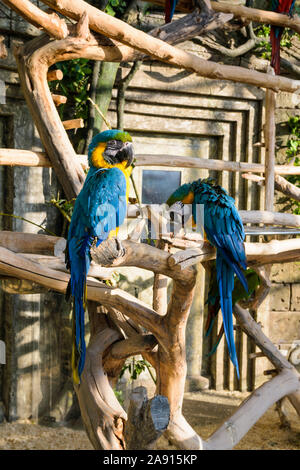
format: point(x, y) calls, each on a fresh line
point(116, 7)
point(293, 153)
point(135, 368)
point(264, 47)
point(75, 86)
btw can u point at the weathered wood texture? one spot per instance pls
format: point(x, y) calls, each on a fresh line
point(16, 157)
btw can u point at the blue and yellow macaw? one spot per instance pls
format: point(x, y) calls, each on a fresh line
point(279, 6)
point(224, 230)
point(99, 211)
point(170, 6)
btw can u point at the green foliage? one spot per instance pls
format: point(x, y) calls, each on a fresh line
point(74, 85)
point(119, 395)
point(116, 7)
point(293, 154)
point(135, 368)
point(65, 207)
point(264, 47)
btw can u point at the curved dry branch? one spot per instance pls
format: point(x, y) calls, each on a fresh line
point(16, 265)
point(101, 412)
point(133, 40)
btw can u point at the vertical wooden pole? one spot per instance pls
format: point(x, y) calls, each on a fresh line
point(270, 135)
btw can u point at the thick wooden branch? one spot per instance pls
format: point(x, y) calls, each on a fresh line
point(148, 257)
point(21, 242)
point(17, 157)
point(51, 23)
point(119, 31)
point(268, 217)
point(16, 265)
point(58, 263)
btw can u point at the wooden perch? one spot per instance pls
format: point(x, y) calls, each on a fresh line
point(17, 157)
point(73, 124)
point(54, 75)
point(248, 217)
point(147, 419)
point(58, 263)
point(20, 242)
point(268, 217)
point(59, 99)
point(51, 23)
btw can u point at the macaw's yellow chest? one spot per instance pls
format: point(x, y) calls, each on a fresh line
point(99, 162)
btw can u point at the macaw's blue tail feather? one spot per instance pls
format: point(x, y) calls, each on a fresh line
point(225, 278)
point(235, 267)
point(80, 263)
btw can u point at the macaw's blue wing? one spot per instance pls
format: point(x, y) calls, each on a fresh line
point(224, 230)
point(99, 210)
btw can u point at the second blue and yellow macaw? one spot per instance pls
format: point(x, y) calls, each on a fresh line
point(99, 211)
point(224, 230)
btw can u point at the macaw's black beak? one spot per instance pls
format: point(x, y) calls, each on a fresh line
point(126, 154)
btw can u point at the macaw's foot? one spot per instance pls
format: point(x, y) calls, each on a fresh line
point(107, 251)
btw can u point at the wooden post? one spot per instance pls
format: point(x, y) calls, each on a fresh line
point(270, 137)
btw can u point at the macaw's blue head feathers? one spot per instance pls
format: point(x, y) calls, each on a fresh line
point(179, 194)
point(109, 148)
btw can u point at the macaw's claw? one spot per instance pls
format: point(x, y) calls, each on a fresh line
point(107, 252)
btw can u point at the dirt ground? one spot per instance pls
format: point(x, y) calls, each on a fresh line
point(205, 411)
